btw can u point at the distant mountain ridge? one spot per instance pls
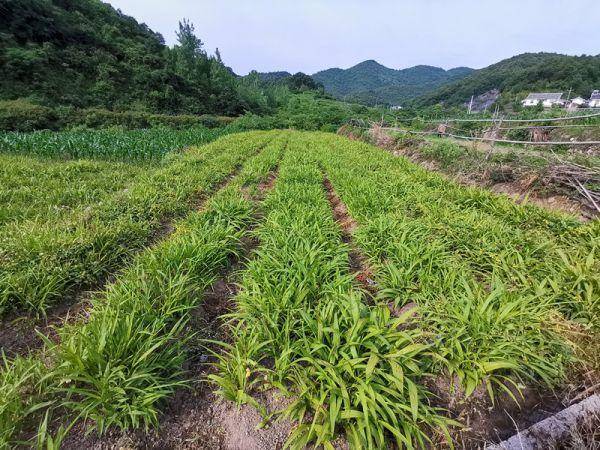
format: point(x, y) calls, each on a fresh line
point(521, 74)
point(370, 82)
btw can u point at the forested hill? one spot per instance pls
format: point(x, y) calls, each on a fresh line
point(370, 82)
point(519, 75)
point(85, 54)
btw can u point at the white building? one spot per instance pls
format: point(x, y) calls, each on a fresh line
point(548, 99)
point(594, 99)
point(579, 101)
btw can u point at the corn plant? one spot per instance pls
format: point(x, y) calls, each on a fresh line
point(130, 145)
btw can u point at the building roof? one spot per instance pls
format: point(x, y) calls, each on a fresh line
point(544, 96)
point(595, 95)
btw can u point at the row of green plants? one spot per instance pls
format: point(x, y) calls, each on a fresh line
point(118, 367)
point(143, 145)
point(496, 286)
point(492, 292)
point(42, 262)
point(34, 188)
point(304, 329)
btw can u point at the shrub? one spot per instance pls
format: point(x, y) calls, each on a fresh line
point(445, 152)
point(518, 135)
point(251, 121)
point(22, 115)
point(103, 118)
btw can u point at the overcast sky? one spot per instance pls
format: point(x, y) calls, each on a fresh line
point(311, 35)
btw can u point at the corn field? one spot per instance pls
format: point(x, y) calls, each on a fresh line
point(132, 145)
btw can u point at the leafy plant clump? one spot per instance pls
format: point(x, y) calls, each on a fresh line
point(445, 152)
point(488, 278)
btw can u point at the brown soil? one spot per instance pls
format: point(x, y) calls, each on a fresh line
point(20, 335)
point(262, 189)
point(520, 194)
point(358, 262)
point(486, 422)
point(265, 186)
point(197, 417)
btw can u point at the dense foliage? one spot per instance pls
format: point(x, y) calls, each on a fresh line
point(273, 76)
point(307, 111)
point(371, 83)
point(85, 54)
point(521, 74)
point(22, 115)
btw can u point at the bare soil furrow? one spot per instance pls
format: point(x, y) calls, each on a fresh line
point(358, 262)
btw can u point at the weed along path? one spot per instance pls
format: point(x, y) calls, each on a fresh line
point(327, 295)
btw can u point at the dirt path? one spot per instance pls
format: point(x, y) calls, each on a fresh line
point(358, 261)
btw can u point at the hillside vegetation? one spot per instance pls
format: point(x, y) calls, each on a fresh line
point(522, 74)
point(370, 82)
point(86, 54)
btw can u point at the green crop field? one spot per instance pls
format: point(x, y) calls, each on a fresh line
point(377, 320)
point(131, 145)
